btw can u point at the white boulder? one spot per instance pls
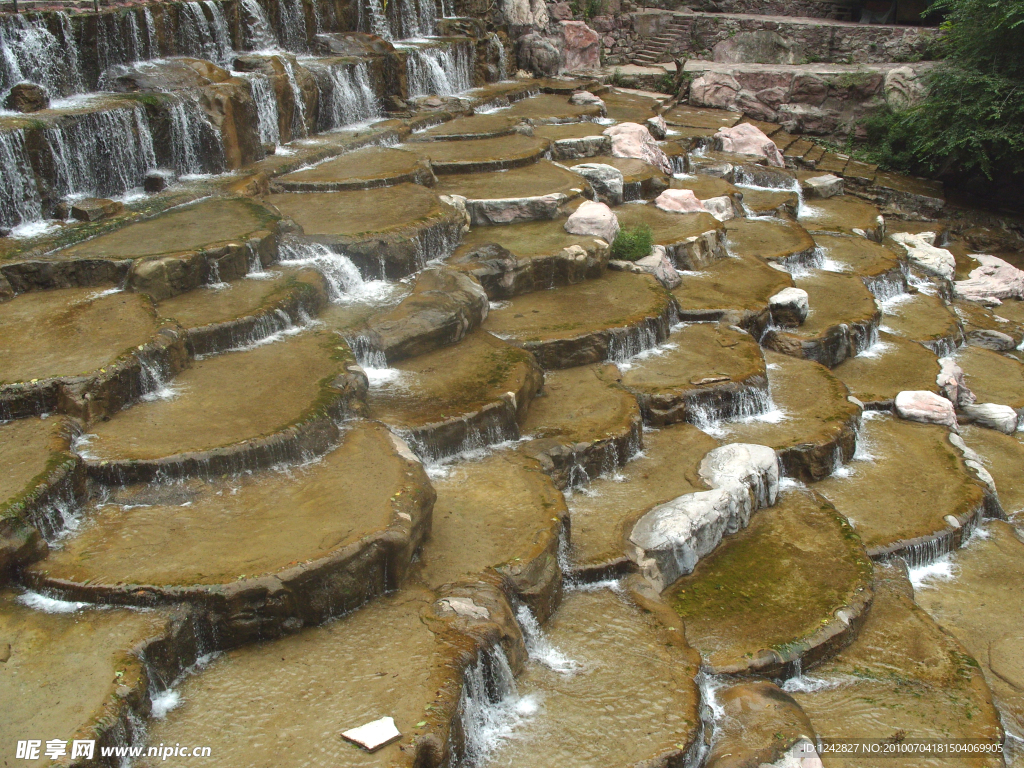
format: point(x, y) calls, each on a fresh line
point(925, 407)
point(994, 279)
point(585, 98)
point(746, 139)
point(789, 306)
point(670, 539)
point(720, 207)
point(595, 219)
point(657, 126)
point(828, 185)
point(679, 201)
point(634, 140)
point(923, 253)
point(993, 416)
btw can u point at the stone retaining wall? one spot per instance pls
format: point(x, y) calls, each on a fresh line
point(625, 35)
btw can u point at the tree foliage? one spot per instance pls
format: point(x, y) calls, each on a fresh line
point(973, 117)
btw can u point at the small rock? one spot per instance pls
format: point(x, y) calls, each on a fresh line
point(634, 140)
point(925, 407)
point(560, 11)
point(659, 265)
point(27, 97)
point(595, 219)
point(994, 279)
point(746, 139)
point(828, 185)
point(991, 415)
point(607, 180)
point(951, 383)
point(657, 126)
point(679, 201)
point(95, 208)
point(720, 207)
point(465, 607)
point(375, 735)
point(585, 98)
point(434, 102)
point(158, 180)
point(994, 340)
point(789, 307)
point(922, 252)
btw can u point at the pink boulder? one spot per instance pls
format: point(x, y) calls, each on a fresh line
point(582, 48)
point(595, 219)
point(634, 140)
point(926, 407)
point(679, 201)
point(746, 139)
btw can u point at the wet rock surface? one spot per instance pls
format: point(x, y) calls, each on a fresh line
point(373, 374)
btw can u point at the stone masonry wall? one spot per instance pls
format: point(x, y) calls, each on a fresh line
point(626, 35)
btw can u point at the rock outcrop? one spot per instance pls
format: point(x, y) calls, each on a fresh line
point(994, 279)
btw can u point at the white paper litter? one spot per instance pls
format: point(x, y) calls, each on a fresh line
point(375, 735)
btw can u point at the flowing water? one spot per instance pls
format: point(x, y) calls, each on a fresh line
point(440, 71)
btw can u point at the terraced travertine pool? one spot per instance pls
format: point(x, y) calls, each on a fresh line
point(436, 459)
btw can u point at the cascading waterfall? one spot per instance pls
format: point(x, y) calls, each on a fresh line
point(196, 146)
point(293, 25)
point(299, 113)
point(346, 95)
point(29, 51)
point(375, 20)
point(410, 19)
point(119, 39)
point(490, 706)
point(502, 56)
point(440, 71)
point(202, 37)
point(102, 153)
point(259, 34)
point(343, 277)
point(428, 17)
point(266, 108)
point(19, 197)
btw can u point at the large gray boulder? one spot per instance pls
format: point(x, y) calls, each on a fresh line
point(669, 540)
point(607, 180)
point(539, 55)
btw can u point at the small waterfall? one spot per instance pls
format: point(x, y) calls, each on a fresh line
point(266, 108)
point(259, 34)
point(428, 17)
point(410, 19)
point(293, 25)
point(196, 146)
point(29, 51)
point(202, 37)
point(343, 278)
point(19, 197)
point(446, 9)
point(749, 403)
point(374, 20)
point(499, 49)
point(119, 39)
point(440, 71)
point(539, 647)
point(101, 154)
point(366, 354)
point(490, 707)
point(346, 95)
point(299, 113)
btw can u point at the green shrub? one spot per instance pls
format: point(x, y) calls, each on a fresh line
point(632, 243)
point(972, 120)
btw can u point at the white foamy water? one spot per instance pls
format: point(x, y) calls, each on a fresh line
point(40, 602)
point(164, 702)
point(540, 648)
point(934, 573)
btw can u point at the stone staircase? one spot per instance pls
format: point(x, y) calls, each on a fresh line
point(660, 47)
